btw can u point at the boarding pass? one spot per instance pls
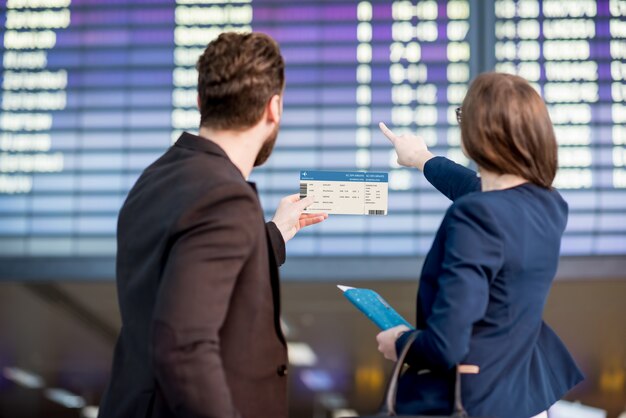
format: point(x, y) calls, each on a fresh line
point(345, 192)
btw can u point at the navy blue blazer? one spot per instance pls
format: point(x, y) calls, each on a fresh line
point(481, 295)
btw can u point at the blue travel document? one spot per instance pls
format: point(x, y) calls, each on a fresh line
point(374, 307)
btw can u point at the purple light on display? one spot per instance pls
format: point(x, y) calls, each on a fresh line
point(99, 58)
point(600, 51)
point(151, 78)
point(380, 74)
point(338, 75)
point(309, 75)
point(296, 96)
point(603, 8)
point(381, 31)
point(437, 73)
point(300, 55)
point(599, 113)
point(65, 120)
point(151, 56)
point(119, 56)
point(301, 75)
point(119, 37)
point(442, 114)
point(163, 15)
point(442, 22)
point(337, 95)
point(382, 11)
point(604, 73)
point(99, 79)
point(118, 17)
point(109, 37)
point(442, 28)
point(123, 3)
point(287, 15)
point(604, 89)
point(64, 59)
point(603, 28)
point(381, 96)
point(152, 37)
point(442, 10)
point(317, 55)
point(306, 33)
point(104, 17)
point(101, 99)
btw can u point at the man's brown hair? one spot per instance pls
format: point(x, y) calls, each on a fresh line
point(506, 129)
point(238, 74)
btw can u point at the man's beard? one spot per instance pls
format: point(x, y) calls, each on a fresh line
point(266, 148)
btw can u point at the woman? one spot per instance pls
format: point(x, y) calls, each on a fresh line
point(486, 278)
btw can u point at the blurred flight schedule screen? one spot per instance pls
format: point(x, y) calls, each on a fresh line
point(574, 53)
point(93, 91)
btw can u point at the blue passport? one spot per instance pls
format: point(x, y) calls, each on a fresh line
point(374, 307)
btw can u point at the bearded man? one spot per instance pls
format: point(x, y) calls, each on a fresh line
point(197, 266)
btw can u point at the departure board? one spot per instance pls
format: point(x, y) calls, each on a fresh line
point(574, 53)
point(93, 91)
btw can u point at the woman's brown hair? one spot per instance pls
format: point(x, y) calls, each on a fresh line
point(506, 129)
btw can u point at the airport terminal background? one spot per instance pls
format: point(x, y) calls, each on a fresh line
point(95, 90)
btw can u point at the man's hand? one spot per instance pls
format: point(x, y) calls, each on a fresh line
point(289, 217)
point(411, 149)
point(387, 341)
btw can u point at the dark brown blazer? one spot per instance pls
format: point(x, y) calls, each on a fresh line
point(197, 279)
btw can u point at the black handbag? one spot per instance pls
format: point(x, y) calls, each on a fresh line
point(389, 410)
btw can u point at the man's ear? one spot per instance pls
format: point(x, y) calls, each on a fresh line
point(274, 109)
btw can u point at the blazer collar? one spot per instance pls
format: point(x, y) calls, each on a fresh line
point(198, 143)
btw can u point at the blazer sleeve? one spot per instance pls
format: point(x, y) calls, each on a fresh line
point(277, 242)
point(450, 178)
point(473, 256)
point(213, 242)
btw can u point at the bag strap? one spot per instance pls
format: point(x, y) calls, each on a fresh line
point(389, 408)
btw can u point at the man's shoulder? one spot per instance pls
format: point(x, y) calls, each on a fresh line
point(180, 181)
point(180, 168)
point(208, 164)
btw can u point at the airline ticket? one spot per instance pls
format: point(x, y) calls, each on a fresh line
point(345, 192)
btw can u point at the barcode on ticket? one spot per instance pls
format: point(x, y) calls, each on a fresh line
point(376, 212)
point(303, 190)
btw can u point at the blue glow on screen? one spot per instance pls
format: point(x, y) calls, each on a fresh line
point(123, 81)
